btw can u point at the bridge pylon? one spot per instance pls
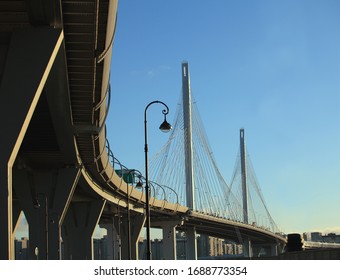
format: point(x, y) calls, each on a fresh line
point(189, 167)
point(247, 247)
point(244, 176)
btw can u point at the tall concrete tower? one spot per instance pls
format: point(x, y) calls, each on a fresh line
point(244, 176)
point(247, 247)
point(189, 169)
point(191, 244)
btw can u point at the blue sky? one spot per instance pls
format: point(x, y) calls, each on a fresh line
point(270, 67)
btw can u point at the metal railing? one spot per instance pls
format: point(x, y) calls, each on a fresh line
point(105, 161)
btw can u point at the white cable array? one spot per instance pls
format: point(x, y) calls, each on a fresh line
point(258, 213)
point(213, 196)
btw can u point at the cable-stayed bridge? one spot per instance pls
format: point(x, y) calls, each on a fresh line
point(212, 194)
point(56, 165)
point(186, 163)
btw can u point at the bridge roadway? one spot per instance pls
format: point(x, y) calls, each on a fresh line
point(55, 163)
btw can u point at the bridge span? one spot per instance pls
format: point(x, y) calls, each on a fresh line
point(56, 165)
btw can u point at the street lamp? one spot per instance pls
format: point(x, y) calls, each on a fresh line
point(37, 205)
point(164, 127)
point(119, 239)
point(139, 184)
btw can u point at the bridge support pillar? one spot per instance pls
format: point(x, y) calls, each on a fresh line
point(191, 244)
point(16, 215)
point(6, 212)
point(117, 244)
point(30, 57)
point(169, 238)
point(247, 248)
point(137, 222)
point(110, 238)
point(78, 226)
point(274, 250)
point(266, 250)
point(44, 198)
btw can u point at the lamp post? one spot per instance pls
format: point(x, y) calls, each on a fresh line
point(164, 127)
point(139, 184)
point(119, 232)
point(36, 205)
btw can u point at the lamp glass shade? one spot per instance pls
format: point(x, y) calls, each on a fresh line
point(165, 126)
point(139, 185)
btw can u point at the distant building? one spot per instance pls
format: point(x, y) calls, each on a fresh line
point(207, 247)
point(21, 249)
point(319, 237)
point(203, 246)
point(331, 238)
point(316, 236)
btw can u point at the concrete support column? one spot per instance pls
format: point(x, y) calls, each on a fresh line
point(16, 215)
point(137, 223)
point(116, 244)
point(191, 244)
point(27, 193)
point(117, 237)
point(110, 239)
point(29, 60)
point(44, 198)
point(79, 224)
point(39, 229)
point(169, 238)
point(258, 250)
point(66, 183)
point(274, 250)
point(266, 250)
point(6, 230)
point(169, 241)
point(247, 248)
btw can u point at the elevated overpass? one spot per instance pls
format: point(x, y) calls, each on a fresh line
point(56, 165)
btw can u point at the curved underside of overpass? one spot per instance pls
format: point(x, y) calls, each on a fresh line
point(55, 61)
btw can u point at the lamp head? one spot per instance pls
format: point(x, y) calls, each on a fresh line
point(139, 184)
point(36, 203)
point(165, 126)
